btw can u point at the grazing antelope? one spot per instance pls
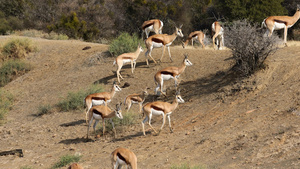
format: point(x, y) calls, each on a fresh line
point(160, 108)
point(193, 36)
point(100, 98)
point(170, 73)
point(123, 156)
point(281, 22)
point(125, 58)
point(161, 40)
point(136, 99)
point(154, 25)
point(218, 31)
point(103, 112)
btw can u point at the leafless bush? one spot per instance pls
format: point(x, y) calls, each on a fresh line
point(249, 47)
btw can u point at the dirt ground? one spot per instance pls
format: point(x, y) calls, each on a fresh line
point(224, 123)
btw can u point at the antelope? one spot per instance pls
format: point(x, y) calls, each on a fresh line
point(161, 40)
point(136, 99)
point(125, 58)
point(160, 108)
point(100, 98)
point(193, 36)
point(123, 156)
point(154, 25)
point(218, 31)
point(281, 22)
point(75, 166)
point(170, 73)
point(103, 112)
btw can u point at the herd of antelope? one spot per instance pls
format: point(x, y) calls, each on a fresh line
point(97, 103)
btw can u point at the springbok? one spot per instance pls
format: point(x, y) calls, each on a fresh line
point(218, 32)
point(123, 156)
point(281, 22)
point(193, 36)
point(100, 98)
point(160, 108)
point(170, 73)
point(154, 25)
point(136, 99)
point(103, 112)
point(161, 40)
point(125, 58)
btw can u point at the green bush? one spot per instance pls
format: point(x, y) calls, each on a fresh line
point(75, 100)
point(44, 109)
point(17, 48)
point(11, 69)
point(6, 101)
point(124, 43)
point(65, 160)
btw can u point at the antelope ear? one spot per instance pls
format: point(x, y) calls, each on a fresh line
point(185, 56)
point(178, 92)
point(114, 82)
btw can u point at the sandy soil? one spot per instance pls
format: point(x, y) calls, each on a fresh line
point(224, 123)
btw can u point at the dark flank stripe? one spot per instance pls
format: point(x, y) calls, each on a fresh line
point(167, 73)
point(135, 99)
point(156, 108)
point(194, 35)
point(127, 58)
point(146, 26)
point(97, 112)
point(122, 158)
point(98, 98)
point(158, 40)
point(280, 21)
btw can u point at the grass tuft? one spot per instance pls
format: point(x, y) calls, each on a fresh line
point(66, 160)
point(6, 102)
point(187, 166)
point(17, 48)
point(11, 69)
point(75, 100)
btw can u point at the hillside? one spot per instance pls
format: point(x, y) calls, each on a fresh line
point(251, 123)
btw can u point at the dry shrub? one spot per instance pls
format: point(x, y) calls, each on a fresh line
point(17, 49)
point(249, 46)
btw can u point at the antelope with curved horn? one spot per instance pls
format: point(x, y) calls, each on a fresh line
point(164, 109)
point(281, 22)
point(193, 36)
point(161, 40)
point(218, 32)
point(170, 73)
point(123, 156)
point(100, 98)
point(136, 99)
point(103, 112)
point(154, 25)
point(125, 58)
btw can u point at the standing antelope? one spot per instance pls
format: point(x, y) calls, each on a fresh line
point(161, 40)
point(123, 156)
point(136, 99)
point(103, 112)
point(193, 36)
point(218, 31)
point(170, 73)
point(100, 98)
point(281, 22)
point(125, 58)
point(154, 25)
point(160, 108)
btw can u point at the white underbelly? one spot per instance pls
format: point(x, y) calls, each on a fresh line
point(120, 161)
point(126, 61)
point(150, 28)
point(99, 102)
point(156, 112)
point(134, 102)
point(195, 38)
point(157, 45)
point(166, 77)
point(97, 116)
point(278, 26)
